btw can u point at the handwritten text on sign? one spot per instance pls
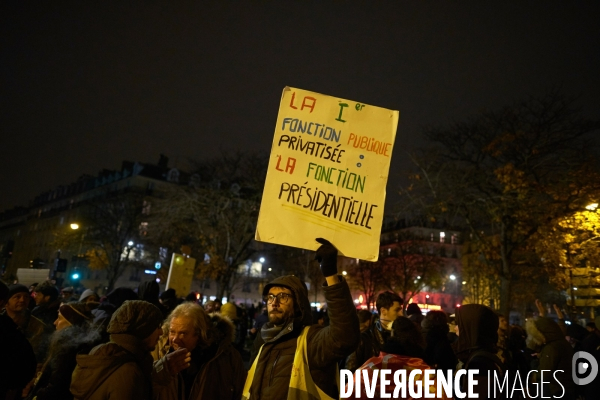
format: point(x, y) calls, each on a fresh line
point(327, 174)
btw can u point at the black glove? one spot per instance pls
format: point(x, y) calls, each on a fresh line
point(327, 257)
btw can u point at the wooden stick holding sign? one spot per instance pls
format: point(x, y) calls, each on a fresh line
point(327, 174)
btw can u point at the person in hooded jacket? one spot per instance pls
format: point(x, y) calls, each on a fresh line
point(122, 368)
point(438, 351)
point(555, 353)
point(197, 360)
point(290, 339)
point(72, 336)
point(149, 291)
point(477, 329)
point(404, 350)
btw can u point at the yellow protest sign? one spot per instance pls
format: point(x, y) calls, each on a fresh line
point(327, 173)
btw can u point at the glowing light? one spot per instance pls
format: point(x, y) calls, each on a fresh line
point(344, 273)
point(262, 259)
point(426, 296)
point(591, 207)
point(130, 243)
point(360, 298)
point(75, 276)
point(74, 226)
point(464, 282)
point(452, 277)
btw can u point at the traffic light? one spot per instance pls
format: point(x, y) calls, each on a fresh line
point(75, 275)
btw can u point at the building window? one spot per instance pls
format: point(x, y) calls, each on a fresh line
point(143, 228)
point(162, 253)
point(442, 237)
point(454, 238)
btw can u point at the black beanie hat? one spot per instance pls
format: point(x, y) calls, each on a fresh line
point(17, 288)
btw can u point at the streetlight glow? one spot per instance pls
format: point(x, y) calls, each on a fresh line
point(452, 277)
point(74, 226)
point(591, 207)
point(130, 243)
point(262, 259)
point(344, 273)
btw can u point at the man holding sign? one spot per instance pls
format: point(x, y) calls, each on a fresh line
point(291, 356)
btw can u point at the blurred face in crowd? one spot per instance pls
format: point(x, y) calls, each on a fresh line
point(182, 334)
point(91, 298)
point(18, 303)
point(503, 323)
point(40, 298)
point(390, 314)
point(151, 341)
point(61, 322)
point(280, 304)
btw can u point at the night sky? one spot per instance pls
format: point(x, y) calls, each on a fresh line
point(85, 86)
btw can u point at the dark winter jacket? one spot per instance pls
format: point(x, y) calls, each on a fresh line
point(366, 349)
point(476, 345)
point(380, 335)
point(219, 370)
point(555, 353)
point(118, 370)
point(18, 360)
point(37, 333)
point(55, 380)
point(438, 352)
point(326, 345)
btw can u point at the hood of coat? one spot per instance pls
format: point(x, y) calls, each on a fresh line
point(477, 329)
point(224, 330)
point(542, 330)
point(302, 310)
point(94, 368)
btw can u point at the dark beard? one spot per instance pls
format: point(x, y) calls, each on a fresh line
point(278, 318)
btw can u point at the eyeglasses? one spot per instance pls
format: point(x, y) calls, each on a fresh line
point(282, 298)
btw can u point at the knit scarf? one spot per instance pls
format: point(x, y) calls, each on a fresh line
point(270, 331)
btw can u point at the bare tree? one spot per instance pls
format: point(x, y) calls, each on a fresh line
point(505, 174)
point(215, 216)
point(109, 233)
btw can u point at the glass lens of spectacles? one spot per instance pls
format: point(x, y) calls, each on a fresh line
point(281, 298)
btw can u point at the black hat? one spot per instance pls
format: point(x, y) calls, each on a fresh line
point(17, 288)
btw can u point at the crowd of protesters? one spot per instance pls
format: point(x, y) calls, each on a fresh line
point(144, 344)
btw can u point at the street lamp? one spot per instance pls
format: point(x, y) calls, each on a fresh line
point(74, 226)
point(452, 277)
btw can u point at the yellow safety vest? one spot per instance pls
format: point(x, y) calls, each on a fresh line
point(302, 386)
